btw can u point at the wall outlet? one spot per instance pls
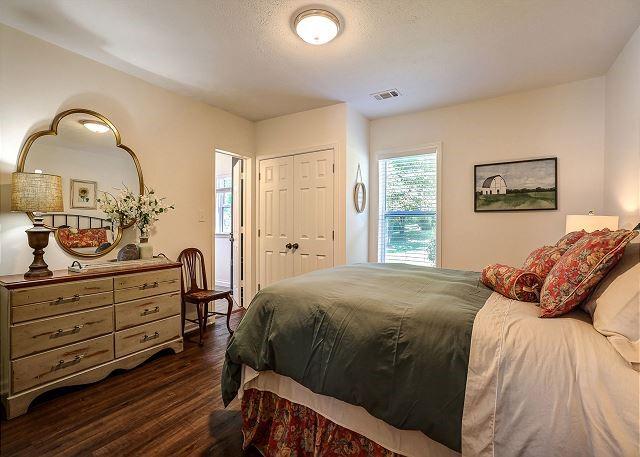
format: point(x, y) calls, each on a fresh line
point(201, 215)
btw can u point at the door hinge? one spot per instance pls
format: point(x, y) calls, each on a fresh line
point(333, 167)
point(258, 232)
point(333, 234)
point(258, 286)
point(259, 176)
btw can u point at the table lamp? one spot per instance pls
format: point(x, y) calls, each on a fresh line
point(590, 222)
point(38, 193)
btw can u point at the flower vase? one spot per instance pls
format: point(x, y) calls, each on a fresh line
point(145, 248)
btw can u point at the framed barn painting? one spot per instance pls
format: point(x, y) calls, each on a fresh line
point(523, 185)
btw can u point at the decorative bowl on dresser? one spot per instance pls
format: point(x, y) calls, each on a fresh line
point(76, 328)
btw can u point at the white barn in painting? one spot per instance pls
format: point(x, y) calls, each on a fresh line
point(494, 185)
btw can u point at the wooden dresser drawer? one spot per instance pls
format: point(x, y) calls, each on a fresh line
point(147, 335)
point(65, 291)
point(136, 312)
point(48, 366)
point(59, 306)
point(146, 279)
point(146, 290)
point(53, 332)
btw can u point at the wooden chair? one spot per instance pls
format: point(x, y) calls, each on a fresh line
point(194, 290)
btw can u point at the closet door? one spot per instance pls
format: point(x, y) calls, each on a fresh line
point(313, 211)
point(276, 219)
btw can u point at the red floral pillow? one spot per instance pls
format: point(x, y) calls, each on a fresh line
point(512, 282)
point(82, 238)
point(570, 239)
point(580, 269)
point(542, 260)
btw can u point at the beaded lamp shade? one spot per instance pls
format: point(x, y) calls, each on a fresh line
point(36, 192)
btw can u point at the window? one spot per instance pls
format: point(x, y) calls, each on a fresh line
point(223, 204)
point(407, 209)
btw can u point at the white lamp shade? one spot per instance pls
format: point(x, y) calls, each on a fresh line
point(36, 192)
point(590, 223)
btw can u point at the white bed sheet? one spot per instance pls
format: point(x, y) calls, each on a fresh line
point(535, 387)
point(546, 387)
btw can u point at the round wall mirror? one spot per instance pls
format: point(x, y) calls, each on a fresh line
point(85, 149)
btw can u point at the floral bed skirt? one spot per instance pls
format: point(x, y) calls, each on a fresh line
point(278, 427)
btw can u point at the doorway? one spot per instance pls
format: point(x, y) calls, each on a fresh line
point(229, 227)
point(296, 205)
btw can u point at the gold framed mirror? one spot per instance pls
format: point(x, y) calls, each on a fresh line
point(86, 150)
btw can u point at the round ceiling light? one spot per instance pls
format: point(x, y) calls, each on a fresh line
point(317, 26)
point(95, 126)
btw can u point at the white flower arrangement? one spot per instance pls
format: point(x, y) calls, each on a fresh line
point(129, 207)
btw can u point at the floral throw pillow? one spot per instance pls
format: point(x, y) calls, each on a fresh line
point(542, 260)
point(82, 238)
point(580, 269)
point(570, 239)
point(511, 282)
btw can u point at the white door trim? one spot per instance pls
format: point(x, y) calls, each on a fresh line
point(248, 270)
point(336, 199)
point(374, 193)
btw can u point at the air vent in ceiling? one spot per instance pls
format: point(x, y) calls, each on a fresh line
point(386, 94)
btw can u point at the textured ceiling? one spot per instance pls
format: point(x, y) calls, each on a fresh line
point(242, 56)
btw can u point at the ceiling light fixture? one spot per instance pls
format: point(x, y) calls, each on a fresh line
point(95, 126)
point(317, 26)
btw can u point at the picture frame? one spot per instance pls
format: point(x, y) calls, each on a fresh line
point(83, 194)
point(520, 185)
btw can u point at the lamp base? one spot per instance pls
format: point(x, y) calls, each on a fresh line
point(38, 237)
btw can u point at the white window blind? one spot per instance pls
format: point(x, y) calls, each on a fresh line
point(407, 209)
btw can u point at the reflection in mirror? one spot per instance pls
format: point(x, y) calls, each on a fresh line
point(85, 155)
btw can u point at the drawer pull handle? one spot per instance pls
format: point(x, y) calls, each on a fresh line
point(150, 337)
point(67, 363)
point(61, 300)
point(149, 286)
point(151, 311)
point(62, 331)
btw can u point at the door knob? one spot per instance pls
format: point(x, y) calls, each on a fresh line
point(295, 246)
point(288, 245)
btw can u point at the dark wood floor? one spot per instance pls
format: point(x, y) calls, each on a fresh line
point(170, 406)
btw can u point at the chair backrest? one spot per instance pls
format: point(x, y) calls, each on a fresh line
point(194, 275)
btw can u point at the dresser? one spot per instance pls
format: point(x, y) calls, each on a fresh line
point(76, 328)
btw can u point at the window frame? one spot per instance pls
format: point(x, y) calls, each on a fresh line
point(430, 148)
point(219, 210)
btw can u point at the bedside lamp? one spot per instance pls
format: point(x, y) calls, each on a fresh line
point(38, 193)
point(590, 222)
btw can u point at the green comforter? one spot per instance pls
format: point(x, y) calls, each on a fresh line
point(391, 338)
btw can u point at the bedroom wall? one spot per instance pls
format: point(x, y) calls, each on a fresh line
point(565, 121)
point(357, 224)
point(339, 126)
point(622, 135)
point(308, 131)
point(173, 136)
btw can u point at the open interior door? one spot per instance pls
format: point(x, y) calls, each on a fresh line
point(237, 231)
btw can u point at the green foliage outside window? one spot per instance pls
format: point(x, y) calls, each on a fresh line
point(407, 205)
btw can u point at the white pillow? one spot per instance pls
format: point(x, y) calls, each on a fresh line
point(615, 305)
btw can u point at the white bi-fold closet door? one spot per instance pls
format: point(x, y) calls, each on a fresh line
point(296, 215)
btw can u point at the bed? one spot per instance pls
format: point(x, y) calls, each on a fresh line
point(429, 362)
